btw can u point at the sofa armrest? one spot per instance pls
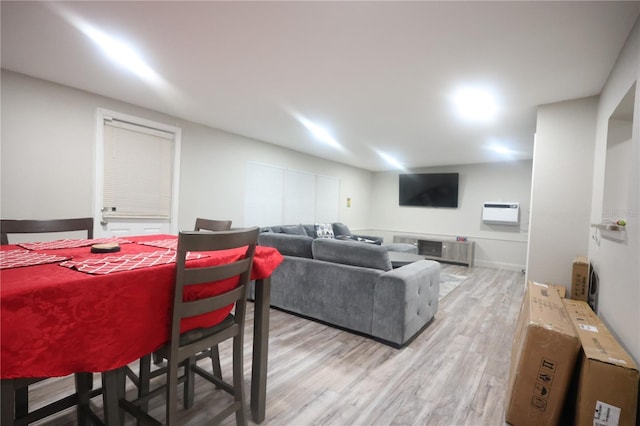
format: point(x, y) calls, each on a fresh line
point(405, 300)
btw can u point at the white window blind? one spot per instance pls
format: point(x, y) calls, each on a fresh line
point(138, 168)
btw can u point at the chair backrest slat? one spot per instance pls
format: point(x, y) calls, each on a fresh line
point(15, 226)
point(215, 273)
point(212, 225)
point(210, 304)
point(192, 241)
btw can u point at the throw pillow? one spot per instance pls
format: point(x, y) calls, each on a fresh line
point(293, 230)
point(310, 229)
point(324, 230)
point(341, 229)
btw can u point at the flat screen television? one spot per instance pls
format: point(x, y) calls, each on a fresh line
point(429, 190)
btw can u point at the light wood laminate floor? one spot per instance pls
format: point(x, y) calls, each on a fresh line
point(454, 373)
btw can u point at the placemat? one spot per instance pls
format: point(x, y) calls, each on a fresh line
point(19, 257)
point(65, 244)
point(126, 262)
point(170, 243)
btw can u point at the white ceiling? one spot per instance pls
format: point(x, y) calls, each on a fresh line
point(378, 75)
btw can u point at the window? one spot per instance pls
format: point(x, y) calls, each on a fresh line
point(138, 170)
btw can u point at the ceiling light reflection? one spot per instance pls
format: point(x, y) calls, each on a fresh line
point(319, 132)
point(476, 104)
point(118, 51)
point(503, 151)
point(121, 53)
point(500, 150)
point(391, 161)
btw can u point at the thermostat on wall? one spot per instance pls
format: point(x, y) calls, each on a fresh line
point(501, 213)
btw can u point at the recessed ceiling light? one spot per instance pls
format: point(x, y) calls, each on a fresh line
point(476, 104)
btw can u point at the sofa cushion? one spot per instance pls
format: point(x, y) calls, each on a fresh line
point(287, 244)
point(341, 229)
point(310, 229)
point(351, 253)
point(324, 230)
point(293, 230)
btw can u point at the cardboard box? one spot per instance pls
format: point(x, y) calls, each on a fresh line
point(607, 383)
point(580, 279)
point(562, 290)
point(543, 357)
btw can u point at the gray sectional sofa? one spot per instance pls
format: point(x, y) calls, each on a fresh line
point(351, 284)
point(335, 230)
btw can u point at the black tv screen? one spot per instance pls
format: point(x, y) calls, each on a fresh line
point(429, 189)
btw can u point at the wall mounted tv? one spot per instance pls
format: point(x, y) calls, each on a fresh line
point(429, 190)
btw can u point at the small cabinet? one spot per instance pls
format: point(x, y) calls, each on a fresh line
point(440, 249)
point(430, 248)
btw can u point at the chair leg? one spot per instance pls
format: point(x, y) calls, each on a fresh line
point(8, 401)
point(22, 401)
point(84, 384)
point(172, 392)
point(113, 387)
point(144, 381)
point(189, 383)
point(238, 380)
point(215, 362)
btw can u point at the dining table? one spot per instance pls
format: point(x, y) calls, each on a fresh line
point(65, 309)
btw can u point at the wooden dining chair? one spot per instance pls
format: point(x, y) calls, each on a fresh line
point(182, 348)
point(14, 226)
point(201, 225)
point(142, 378)
point(15, 392)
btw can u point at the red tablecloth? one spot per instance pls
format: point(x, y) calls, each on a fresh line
point(55, 321)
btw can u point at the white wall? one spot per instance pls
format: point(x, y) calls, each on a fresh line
point(501, 246)
point(47, 147)
point(568, 195)
point(47, 158)
point(617, 260)
point(561, 189)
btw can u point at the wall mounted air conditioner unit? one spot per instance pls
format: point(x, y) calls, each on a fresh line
point(501, 213)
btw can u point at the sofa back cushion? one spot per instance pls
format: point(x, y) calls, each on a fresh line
point(351, 253)
point(293, 230)
point(341, 229)
point(287, 244)
point(310, 229)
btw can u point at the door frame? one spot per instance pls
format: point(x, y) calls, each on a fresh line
point(101, 115)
